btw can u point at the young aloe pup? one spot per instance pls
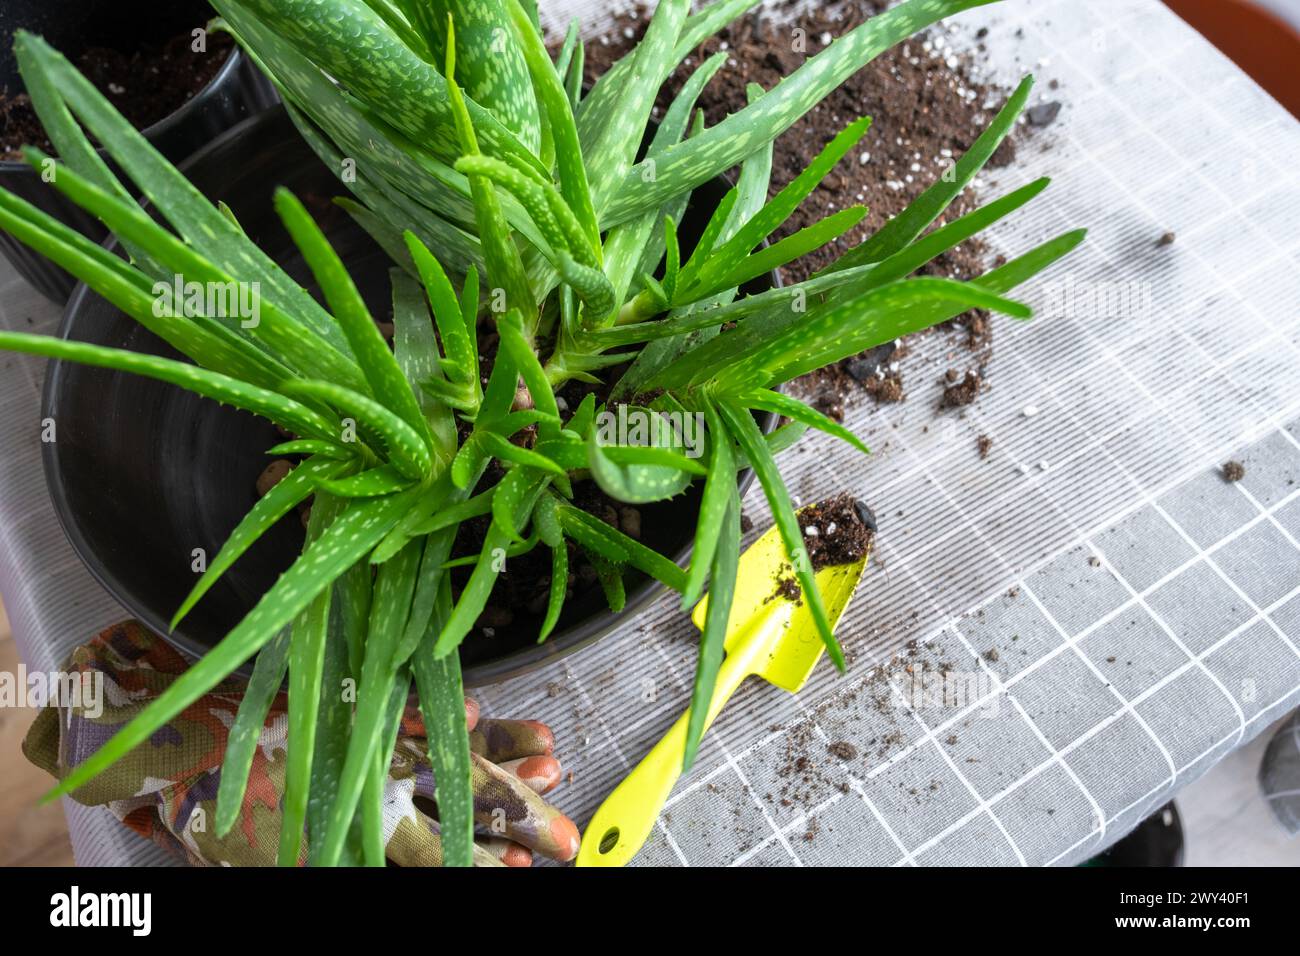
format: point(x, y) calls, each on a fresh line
point(515, 206)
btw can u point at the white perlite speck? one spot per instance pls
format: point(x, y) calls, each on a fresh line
point(1030, 411)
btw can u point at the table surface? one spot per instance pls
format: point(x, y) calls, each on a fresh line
point(1115, 617)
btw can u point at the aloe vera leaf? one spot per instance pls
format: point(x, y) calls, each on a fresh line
point(722, 589)
point(442, 704)
point(598, 537)
point(926, 208)
point(350, 536)
point(636, 481)
point(197, 220)
point(699, 26)
point(334, 718)
point(847, 281)
point(306, 668)
point(382, 480)
point(416, 351)
point(67, 137)
point(494, 71)
point(474, 596)
point(209, 384)
point(869, 320)
point(719, 488)
point(372, 793)
point(565, 55)
point(507, 496)
point(919, 252)
point(356, 593)
point(517, 421)
point(429, 583)
point(407, 450)
point(346, 126)
point(590, 285)
point(403, 195)
point(129, 289)
point(610, 576)
point(387, 383)
point(501, 448)
point(246, 732)
point(767, 220)
point(626, 245)
point(770, 401)
point(532, 195)
point(510, 327)
point(505, 267)
point(395, 15)
point(747, 434)
point(446, 310)
point(308, 446)
point(611, 155)
point(751, 193)
point(699, 159)
point(394, 584)
point(512, 549)
point(555, 101)
point(557, 591)
point(351, 43)
point(284, 496)
point(454, 514)
point(785, 251)
point(280, 333)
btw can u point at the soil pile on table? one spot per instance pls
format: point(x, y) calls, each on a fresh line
point(837, 531)
point(144, 85)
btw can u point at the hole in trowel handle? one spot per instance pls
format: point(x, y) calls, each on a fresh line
point(609, 840)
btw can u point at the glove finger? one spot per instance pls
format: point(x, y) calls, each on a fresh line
point(420, 844)
point(540, 773)
point(471, 712)
point(508, 851)
point(499, 740)
point(508, 808)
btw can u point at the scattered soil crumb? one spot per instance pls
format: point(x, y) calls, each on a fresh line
point(1234, 471)
point(843, 750)
point(961, 391)
point(984, 444)
point(1166, 239)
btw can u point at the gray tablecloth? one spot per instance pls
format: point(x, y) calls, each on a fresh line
point(1112, 615)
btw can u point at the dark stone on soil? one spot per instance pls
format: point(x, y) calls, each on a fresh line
point(1044, 114)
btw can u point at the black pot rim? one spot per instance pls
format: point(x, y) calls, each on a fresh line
point(171, 120)
point(574, 638)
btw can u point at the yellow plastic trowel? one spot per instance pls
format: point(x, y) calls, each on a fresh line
point(769, 636)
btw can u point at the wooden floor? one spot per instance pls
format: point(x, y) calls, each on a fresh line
point(30, 835)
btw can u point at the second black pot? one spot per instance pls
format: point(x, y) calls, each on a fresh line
point(237, 91)
point(143, 473)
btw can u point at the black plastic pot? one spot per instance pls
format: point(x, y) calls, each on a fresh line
point(143, 473)
point(237, 91)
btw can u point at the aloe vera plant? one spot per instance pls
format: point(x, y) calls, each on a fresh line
point(513, 201)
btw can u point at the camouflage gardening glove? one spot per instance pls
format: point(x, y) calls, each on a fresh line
point(166, 790)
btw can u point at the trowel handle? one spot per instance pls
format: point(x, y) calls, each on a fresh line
point(623, 822)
